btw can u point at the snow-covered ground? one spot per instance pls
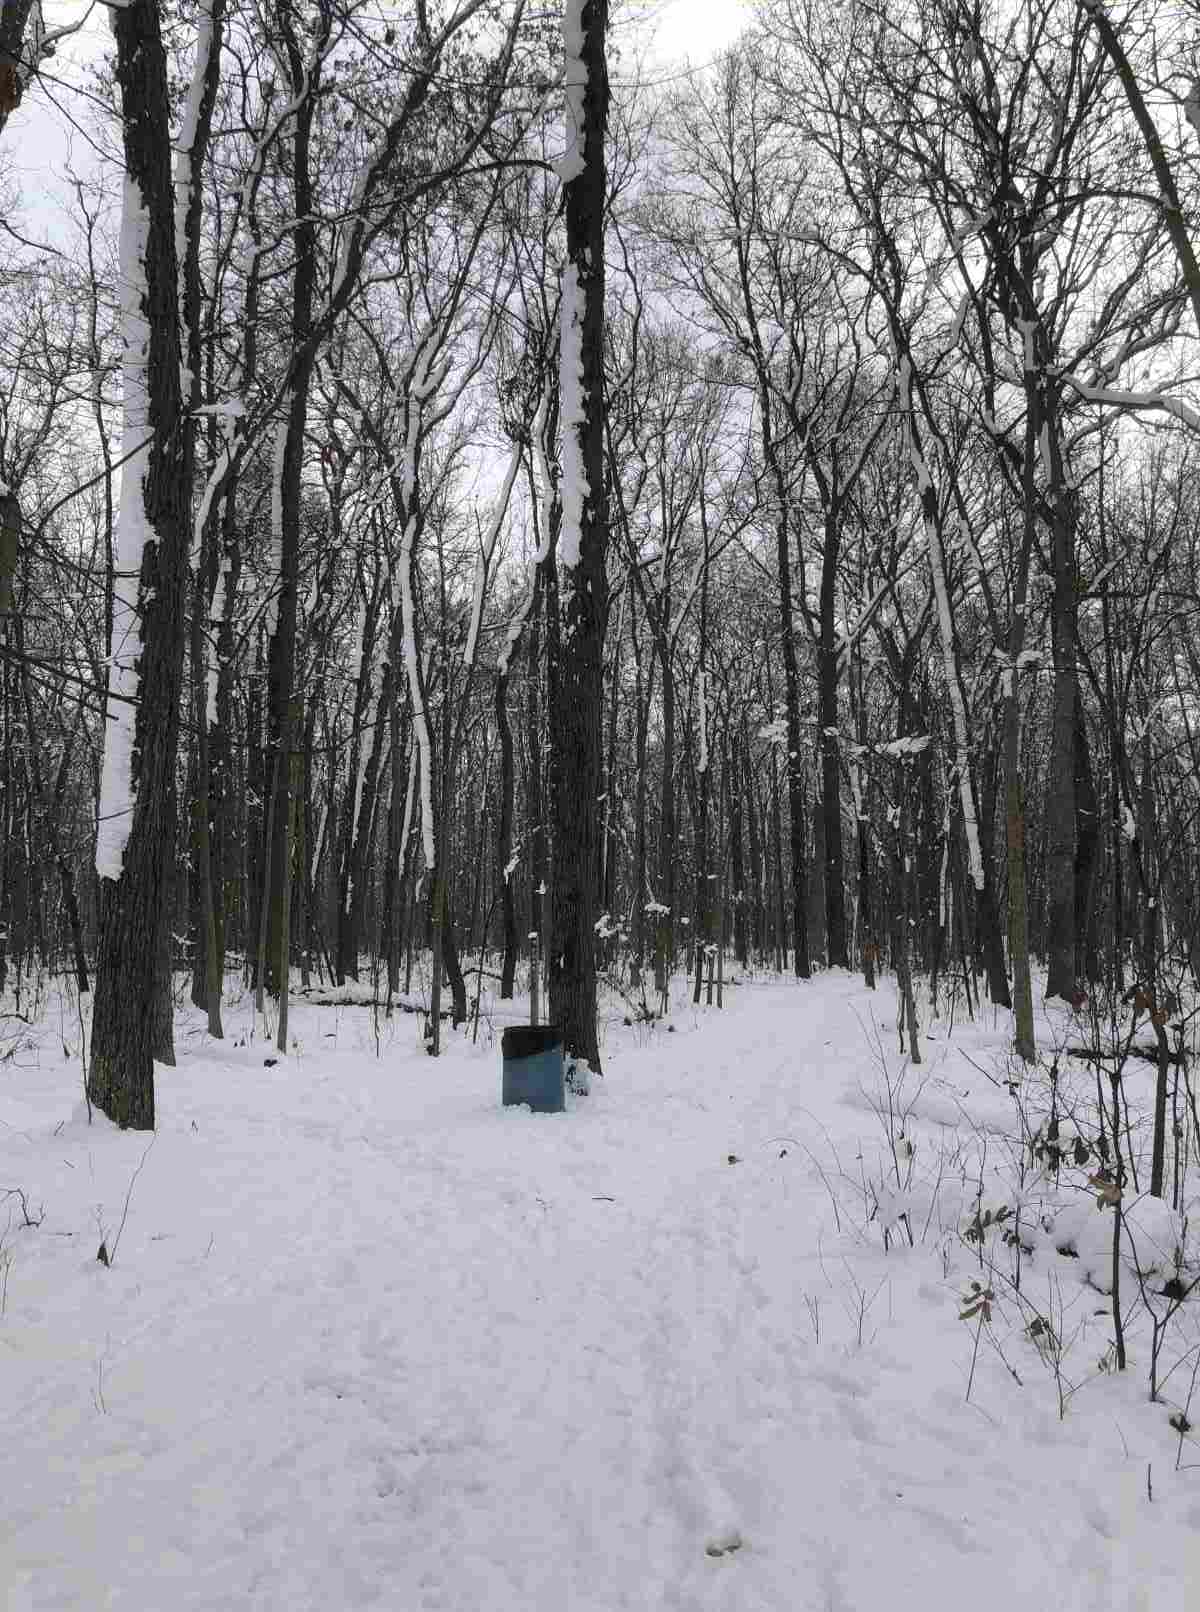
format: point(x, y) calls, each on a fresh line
point(370, 1340)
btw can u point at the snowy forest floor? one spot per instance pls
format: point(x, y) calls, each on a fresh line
point(367, 1339)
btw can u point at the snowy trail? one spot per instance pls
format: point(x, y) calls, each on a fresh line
point(371, 1341)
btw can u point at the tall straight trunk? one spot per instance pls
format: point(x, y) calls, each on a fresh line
point(816, 916)
point(7, 678)
point(66, 873)
point(451, 962)
point(439, 799)
point(722, 871)
point(664, 948)
point(250, 832)
point(134, 905)
point(793, 764)
point(361, 827)
point(609, 859)
point(389, 928)
point(780, 926)
point(504, 834)
point(1014, 786)
point(207, 969)
point(754, 838)
point(1061, 802)
point(836, 948)
point(294, 767)
point(575, 739)
point(52, 823)
point(1059, 805)
point(193, 145)
point(288, 471)
point(702, 918)
point(991, 935)
point(868, 944)
point(641, 698)
point(1087, 851)
point(403, 763)
point(223, 797)
point(1151, 874)
point(732, 785)
point(1117, 903)
point(536, 838)
point(904, 925)
point(477, 936)
point(10, 533)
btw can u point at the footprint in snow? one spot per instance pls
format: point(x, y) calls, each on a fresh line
point(724, 1544)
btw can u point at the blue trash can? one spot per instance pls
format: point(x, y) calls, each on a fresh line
point(533, 1067)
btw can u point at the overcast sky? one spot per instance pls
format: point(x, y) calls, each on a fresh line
point(696, 28)
point(47, 136)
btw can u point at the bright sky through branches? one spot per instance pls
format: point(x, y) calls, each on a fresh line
point(51, 132)
point(696, 29)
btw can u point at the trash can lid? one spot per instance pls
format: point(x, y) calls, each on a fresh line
point(527, 1040)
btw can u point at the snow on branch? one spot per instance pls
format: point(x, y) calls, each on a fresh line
point(1135, 401)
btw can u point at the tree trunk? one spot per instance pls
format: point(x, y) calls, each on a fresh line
point(576, 776)
point(737, 857)
point(793, 767)
point(836, 950)
point(504, 856)
point(754, 837)
point(988, 922)
point(289, 467)
point(664, 929)
point(134, 907)
point(1087, 851)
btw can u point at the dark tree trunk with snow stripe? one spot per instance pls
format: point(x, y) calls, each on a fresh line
point(576, 760)
point(134, 909)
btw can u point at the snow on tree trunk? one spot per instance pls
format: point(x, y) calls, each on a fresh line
point(573, 415)
point(130, 536)
point(186, 170)
point(576, 765)
point(136, 844)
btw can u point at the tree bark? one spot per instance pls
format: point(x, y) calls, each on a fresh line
point(134, 908)
point(504, 872)
point(281, 673)
point(836, 950)
point(576, 771)
point(793, 768)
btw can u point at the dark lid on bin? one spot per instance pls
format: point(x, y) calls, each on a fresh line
point(527, 1040)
